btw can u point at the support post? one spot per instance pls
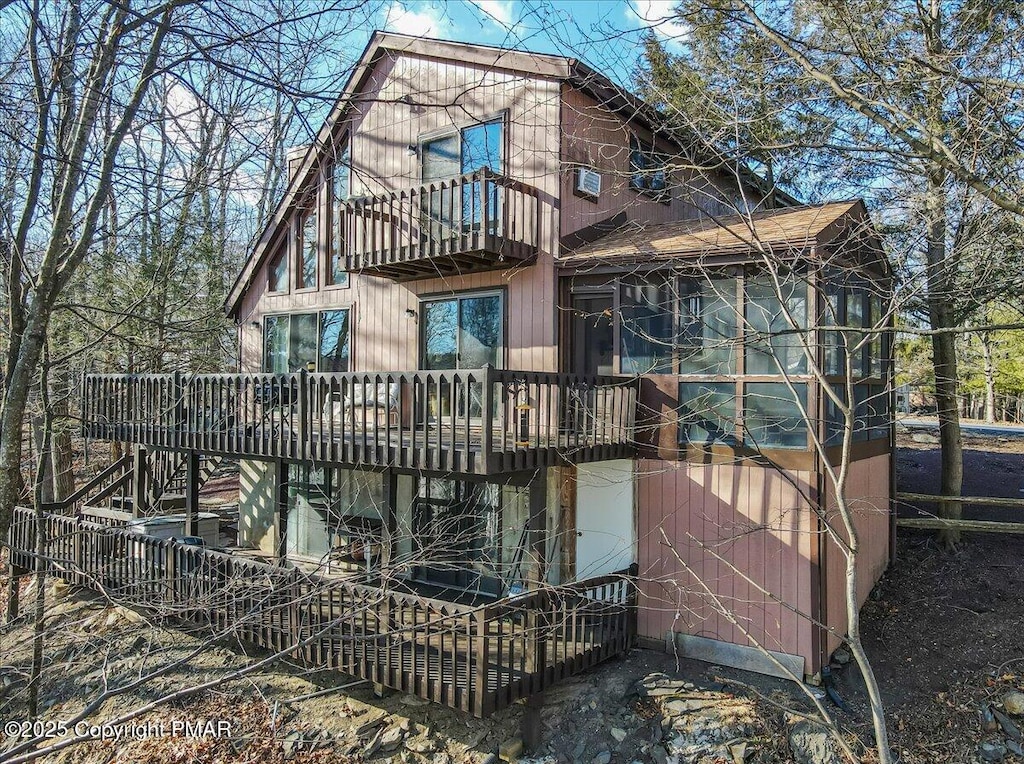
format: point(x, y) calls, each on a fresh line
point(530, 727)
point(14, 593)
point(281, 505)
point(192, 494)
point(387, 553)
point(536, 621)
point(138, 480)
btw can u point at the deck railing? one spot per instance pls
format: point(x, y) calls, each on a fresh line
point(474, 222)
point(477, 421)
point(478, 659)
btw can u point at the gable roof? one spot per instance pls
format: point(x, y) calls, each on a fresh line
point(536, 64)
point(786, 230)
point(541, 65)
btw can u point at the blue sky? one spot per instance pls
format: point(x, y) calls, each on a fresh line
point(604, 33)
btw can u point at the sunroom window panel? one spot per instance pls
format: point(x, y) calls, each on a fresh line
point(647, 310)
point(707, 412)
point(776, 344)
point(707, 332)
point(856, 315)
point(832, 315)
point(772, 416)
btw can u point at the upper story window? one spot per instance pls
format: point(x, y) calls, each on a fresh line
point(340, 185)
point(464, 151)
point(306, 341)
point(648, 170)
point(306, 247)
point(277, 272)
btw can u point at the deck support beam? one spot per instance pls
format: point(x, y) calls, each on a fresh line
point(192, 494)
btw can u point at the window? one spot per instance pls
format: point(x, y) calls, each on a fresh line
point(833, 312)
point(771, 415)
point(278, 272)
point(647, 169)
point(856, 315)
point(341, 189)
point(707, 332)
point(334, 348)
point(322, 503)
point(457, 534)
point(306, 248)
point(646, 313)
point(291, 343)
point(707, 412)
point(463, 332)
point(835, 420)
point(776, 346)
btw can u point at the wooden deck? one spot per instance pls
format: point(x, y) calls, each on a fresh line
point(477, 222)
point(477, 658)
point(481, 421)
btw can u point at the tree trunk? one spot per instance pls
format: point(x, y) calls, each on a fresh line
point(943, 320)
point(990, 378)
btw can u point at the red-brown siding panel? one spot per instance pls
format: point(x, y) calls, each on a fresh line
point(728, 523)
point(867, 489)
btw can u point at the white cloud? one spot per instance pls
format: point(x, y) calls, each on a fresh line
point(659, 15)
point(426, 22)
point(499, 11)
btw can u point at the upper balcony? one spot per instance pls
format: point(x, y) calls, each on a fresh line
point(477, 222)
point(466, 421)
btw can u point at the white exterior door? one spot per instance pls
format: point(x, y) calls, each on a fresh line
point(605, 524)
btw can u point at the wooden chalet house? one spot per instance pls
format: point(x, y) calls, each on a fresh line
point(513, 376)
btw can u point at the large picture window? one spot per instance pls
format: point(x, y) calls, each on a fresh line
point(300, 341)
point(772, 416)
point(707, 412)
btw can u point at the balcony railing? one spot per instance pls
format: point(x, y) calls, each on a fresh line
point(479, 659)
point(475, 421)
point(477, 222)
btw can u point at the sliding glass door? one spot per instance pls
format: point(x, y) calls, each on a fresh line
point(463, 332)
point(449, 214)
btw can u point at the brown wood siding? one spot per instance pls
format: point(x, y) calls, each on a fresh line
point(594, 136)
point(758, 521)
point(868, 491)
point(444, 94)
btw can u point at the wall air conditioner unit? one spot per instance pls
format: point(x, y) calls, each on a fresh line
point(588, 182)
